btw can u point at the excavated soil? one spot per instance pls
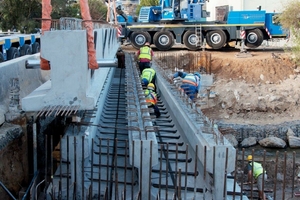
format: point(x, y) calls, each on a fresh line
point(262, 89)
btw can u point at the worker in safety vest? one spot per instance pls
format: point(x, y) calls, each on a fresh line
point(144, 56)
point(148, 76)
point(190, 83)
point(151, 99)
point(256, 170)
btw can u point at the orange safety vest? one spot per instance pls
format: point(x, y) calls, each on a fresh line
point(190, 79)
point(151, 98)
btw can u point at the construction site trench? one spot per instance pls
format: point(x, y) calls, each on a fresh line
point(256, 96)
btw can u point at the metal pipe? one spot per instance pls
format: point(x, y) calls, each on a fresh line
point(284, 174)
point(36, 187)
point(243, 165)
point(31, 183)
point(160, 169)
point(8, 192)
point(196, 168)
point(82, 165)
point(35, 64)
point(293, 180)
point(264, 172)
point(99, 169)
point(225, 177)
point(92, 163)
point(141, 170)
point(275, 175)
point(34, 148)
point(32, 64)
point(235, 173)
point(68, 165)
point(150, 161)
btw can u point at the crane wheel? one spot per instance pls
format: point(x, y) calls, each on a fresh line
point(216, 39)
point(254, 38)
point(163, 40)
point(139, 38)
point(192, 41)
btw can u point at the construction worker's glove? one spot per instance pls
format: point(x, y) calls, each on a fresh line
point(170, 77)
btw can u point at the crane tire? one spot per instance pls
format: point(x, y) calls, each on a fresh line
point(190, 40)
point(216, 39)
point(163, 40)
point(139, 38)
point(254, 38)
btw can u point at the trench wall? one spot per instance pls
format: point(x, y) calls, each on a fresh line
point(14, 158)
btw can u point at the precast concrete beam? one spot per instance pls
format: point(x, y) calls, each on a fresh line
point(143, 146)
point(107, 45)
point(28, 80)
point(190, 127)
point(72, 82)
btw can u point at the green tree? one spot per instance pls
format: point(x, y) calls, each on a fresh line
point(146, 3)
point(98, 10)
point(290, 20)
point(20, 14)
point(65, 8)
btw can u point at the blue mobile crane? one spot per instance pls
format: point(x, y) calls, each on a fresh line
point(13, 45)
point(184, 22)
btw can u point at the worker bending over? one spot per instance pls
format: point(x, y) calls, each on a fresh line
point(148, 76)
point(151, 99)
point(144, 56)
point(190, 83)
point(256, 171)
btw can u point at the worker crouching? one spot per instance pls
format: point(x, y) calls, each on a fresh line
point(256, 171)
point(151, 99)
point(144, 56)
point(148, 76)
point(190, 83)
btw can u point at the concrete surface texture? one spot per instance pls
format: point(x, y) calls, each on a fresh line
point(29, 79)
point(72, 83)
point(190, 127)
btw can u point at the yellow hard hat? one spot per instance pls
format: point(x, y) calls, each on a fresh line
point(151, 86)
point(249, 157)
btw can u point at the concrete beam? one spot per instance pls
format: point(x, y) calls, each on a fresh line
point(72, 82)
point(28, 80)
point(191, 128)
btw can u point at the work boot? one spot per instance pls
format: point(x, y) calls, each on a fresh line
point(157, 114)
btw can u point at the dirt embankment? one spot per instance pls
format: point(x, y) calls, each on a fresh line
point(262, 89)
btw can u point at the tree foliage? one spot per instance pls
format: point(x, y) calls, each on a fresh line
point(65, 8)
point(98, 10)
point(290, 20)
point(25, 15)
point(19, 14)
